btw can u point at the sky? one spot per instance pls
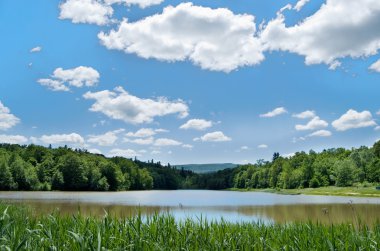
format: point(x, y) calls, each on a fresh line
point(190, 82)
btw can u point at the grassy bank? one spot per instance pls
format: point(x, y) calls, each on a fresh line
point(332, 190)
point(20, 230)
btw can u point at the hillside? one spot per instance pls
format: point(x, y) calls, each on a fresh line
point(206, 168)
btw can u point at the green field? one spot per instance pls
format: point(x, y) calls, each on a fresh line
point(332, 190)
point(22, 230)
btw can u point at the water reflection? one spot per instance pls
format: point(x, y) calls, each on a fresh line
point(231, 206)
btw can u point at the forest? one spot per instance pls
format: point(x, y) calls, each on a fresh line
point(38, 168)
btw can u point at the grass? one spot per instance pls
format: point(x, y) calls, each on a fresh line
point(20, 229)
point(331, 190)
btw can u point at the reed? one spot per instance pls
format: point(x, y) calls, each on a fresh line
point(21, 229)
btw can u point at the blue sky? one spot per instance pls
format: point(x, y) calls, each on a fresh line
point(206, 81)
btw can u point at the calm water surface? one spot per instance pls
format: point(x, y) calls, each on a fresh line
point(213, 205)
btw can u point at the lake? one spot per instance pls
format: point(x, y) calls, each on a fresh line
point(230, 205)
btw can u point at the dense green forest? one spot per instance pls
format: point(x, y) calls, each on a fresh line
point(332, 167)
point(35, 167)
point(39, 168)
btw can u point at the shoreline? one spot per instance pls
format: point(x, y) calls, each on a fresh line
point(369, 192)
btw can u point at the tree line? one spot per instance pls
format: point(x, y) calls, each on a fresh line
point(38, 168)
point(333, 167)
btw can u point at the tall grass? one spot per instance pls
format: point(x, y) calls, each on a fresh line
point(20, 229)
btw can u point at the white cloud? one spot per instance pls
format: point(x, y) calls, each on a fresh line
point(299, 5)
point(187, 146)
point(262, 146)
point(36, 49)
point(72, 138)
point(305, 115)
point(329, 35)
point(95, 151)
point(377, 128)
point(54, 85)
point(315, 123)
point(127, 153)
point(214, 39)
point(166, 142)
point(155, 152)
point(142, 133)
point(77, 77)
point(378, 112)
point(217, 136)
point(197, 124)
point(353, 119)
point(106, 139)
point(7, 119)
point(13, 139)
point(160, 130)
point(141, 3)
point(86, 11)
point(244, 148)
point(375, 66)
point(131, 109)
point(141, 141)
point(274, 113)
point(320, 133)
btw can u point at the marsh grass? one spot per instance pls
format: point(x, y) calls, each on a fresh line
point(20, 229)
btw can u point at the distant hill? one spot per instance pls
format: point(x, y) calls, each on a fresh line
point(206, 168)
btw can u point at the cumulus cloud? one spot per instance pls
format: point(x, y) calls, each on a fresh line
point(72, 138)
point(305, 115)
point(7, 119)
point(214, 39)
point(320, 133)
point(36, 49)
point(328, 35)
point(141, 3)
point(127, 153)
point(187, 146)
point(53, 85)
point(13, 139)
point(315, 123)
point(77, 77)
point(375, 66)
point(197, 124)
point(262, 146)
point(142, 133)
point(95, 151)
point(106, 139)
point(353, 119)
point(299, 5)
point(274, 113)
point(121, 105)
point(166, 142)
point(86, 11)
point(141, 141)
point(217, 136)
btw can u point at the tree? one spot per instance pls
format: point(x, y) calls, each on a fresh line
point(6, 180)
point(114, 176)
point(346, 172)
point(73, 172)
point(376, 149)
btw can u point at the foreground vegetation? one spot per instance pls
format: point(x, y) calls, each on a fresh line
point(39, 168)
point(21, 230)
